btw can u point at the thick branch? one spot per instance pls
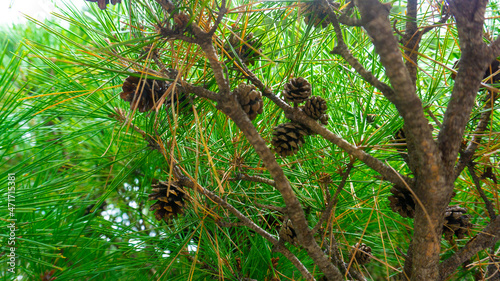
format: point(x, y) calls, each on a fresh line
point(411, 39)
point(294, 209)
point(475, 58)
point(430, 187)
point(229, 106)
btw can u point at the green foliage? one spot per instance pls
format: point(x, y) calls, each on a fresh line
point(84, 169)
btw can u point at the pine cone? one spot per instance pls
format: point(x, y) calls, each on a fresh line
point(315, 12)
point(170, 200)
point(492, 68)
point(181, 23)
point(362, 255)
point(324, 119)
point(297, 90)
point(402, 202)
point(48, 275)
point(250, 100)
point(400, 140)
point(325, 179)
point(288, 138)
point(456, 222)
point(142, 94)
point(247, 55)
point(315, 107)
point(287, 232)
point(102, 3)
point(178, 99)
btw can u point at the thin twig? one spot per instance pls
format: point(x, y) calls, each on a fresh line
point(477, 182)
point(484, 120)
point(333, 202)
point(247, 222)
point(222, 12)
point(245, 177)
point(271, 207)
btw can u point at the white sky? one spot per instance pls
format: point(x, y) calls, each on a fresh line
point(11, 11)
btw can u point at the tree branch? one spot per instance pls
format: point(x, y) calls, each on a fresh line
point(477, 183)
point(484, 120)
point(245, 177)
point(430, 182)
point(475, 58)
point(333, 202)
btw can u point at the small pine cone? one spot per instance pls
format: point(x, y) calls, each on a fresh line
point(247, 55)
point(315, 107)
point(178, 99)
point(250, 100)
point(456, 222)
point(297, 90)
point(324, 119)
point(181, 22)
point(170, 200)
point(103, 3)
point(287, 232)
point(288, 138)
point(362, 255)
point(142, 94)
point(48, 275)
point(325, 179)
point(400, 140)
point(316, 13)
point(402, 202)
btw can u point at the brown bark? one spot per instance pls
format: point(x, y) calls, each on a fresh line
point(425, 157)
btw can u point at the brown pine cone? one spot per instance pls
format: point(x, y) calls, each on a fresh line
point(324, 119)
point(288, 138)
point(297, 90)
point(456, 222)
point(103, 3)
point(315, 12)
point(247, 55)
point(362, 255)
point(250, 100)
point(170, 200)
point(402, 202)
point(287, 232)
point(142, 94)
point(315, 107)
point(400, 140)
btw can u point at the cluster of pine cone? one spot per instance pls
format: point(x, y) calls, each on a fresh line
point(289, 137)
point(170, 200)
point(456, 222)
point(144, 94)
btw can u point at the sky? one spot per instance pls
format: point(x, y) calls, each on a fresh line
point(11, 11)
